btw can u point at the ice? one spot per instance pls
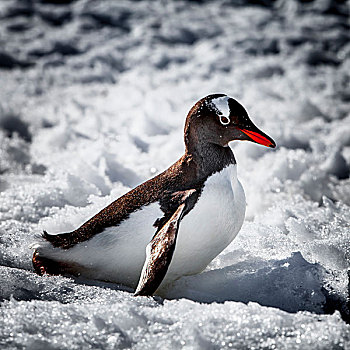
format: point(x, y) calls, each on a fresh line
point(93, 101)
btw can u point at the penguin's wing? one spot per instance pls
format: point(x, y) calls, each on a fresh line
point(159, 251)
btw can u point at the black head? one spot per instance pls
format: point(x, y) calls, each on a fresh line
point(218, 119)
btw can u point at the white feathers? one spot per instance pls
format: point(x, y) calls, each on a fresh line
point(221, 104)
point(210, 226)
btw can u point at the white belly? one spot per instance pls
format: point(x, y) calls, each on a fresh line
point(210, 226)
point(118, 253)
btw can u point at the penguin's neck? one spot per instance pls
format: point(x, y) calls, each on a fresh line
point(209, 157)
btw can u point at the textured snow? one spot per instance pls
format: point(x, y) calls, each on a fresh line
point(93, 100)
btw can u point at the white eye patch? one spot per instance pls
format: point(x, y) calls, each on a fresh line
point(223, 109)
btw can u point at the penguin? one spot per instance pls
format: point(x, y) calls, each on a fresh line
point(172, 225)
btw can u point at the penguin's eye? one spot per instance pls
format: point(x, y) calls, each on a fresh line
point(224, 120)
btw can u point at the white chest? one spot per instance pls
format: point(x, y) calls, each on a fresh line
point(211, 225)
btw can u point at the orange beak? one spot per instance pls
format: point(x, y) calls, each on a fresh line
point(259, 137)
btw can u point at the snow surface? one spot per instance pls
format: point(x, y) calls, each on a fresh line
point(93, 100)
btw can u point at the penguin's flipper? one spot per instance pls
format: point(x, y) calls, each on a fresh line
point(160, 249)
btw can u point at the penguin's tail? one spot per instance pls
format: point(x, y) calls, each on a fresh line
point(47, 237)
point(60, 240)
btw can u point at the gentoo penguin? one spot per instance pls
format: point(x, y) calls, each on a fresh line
point(172, 225)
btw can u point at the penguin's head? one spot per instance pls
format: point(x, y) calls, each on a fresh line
point(219, 119)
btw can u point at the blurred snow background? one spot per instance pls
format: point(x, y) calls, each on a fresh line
point(93, 100)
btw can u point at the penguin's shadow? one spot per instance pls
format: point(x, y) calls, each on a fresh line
point(291, 284)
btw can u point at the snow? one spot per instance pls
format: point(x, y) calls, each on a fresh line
point(93, 101)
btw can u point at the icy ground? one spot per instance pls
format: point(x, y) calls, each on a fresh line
point(93, 98)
